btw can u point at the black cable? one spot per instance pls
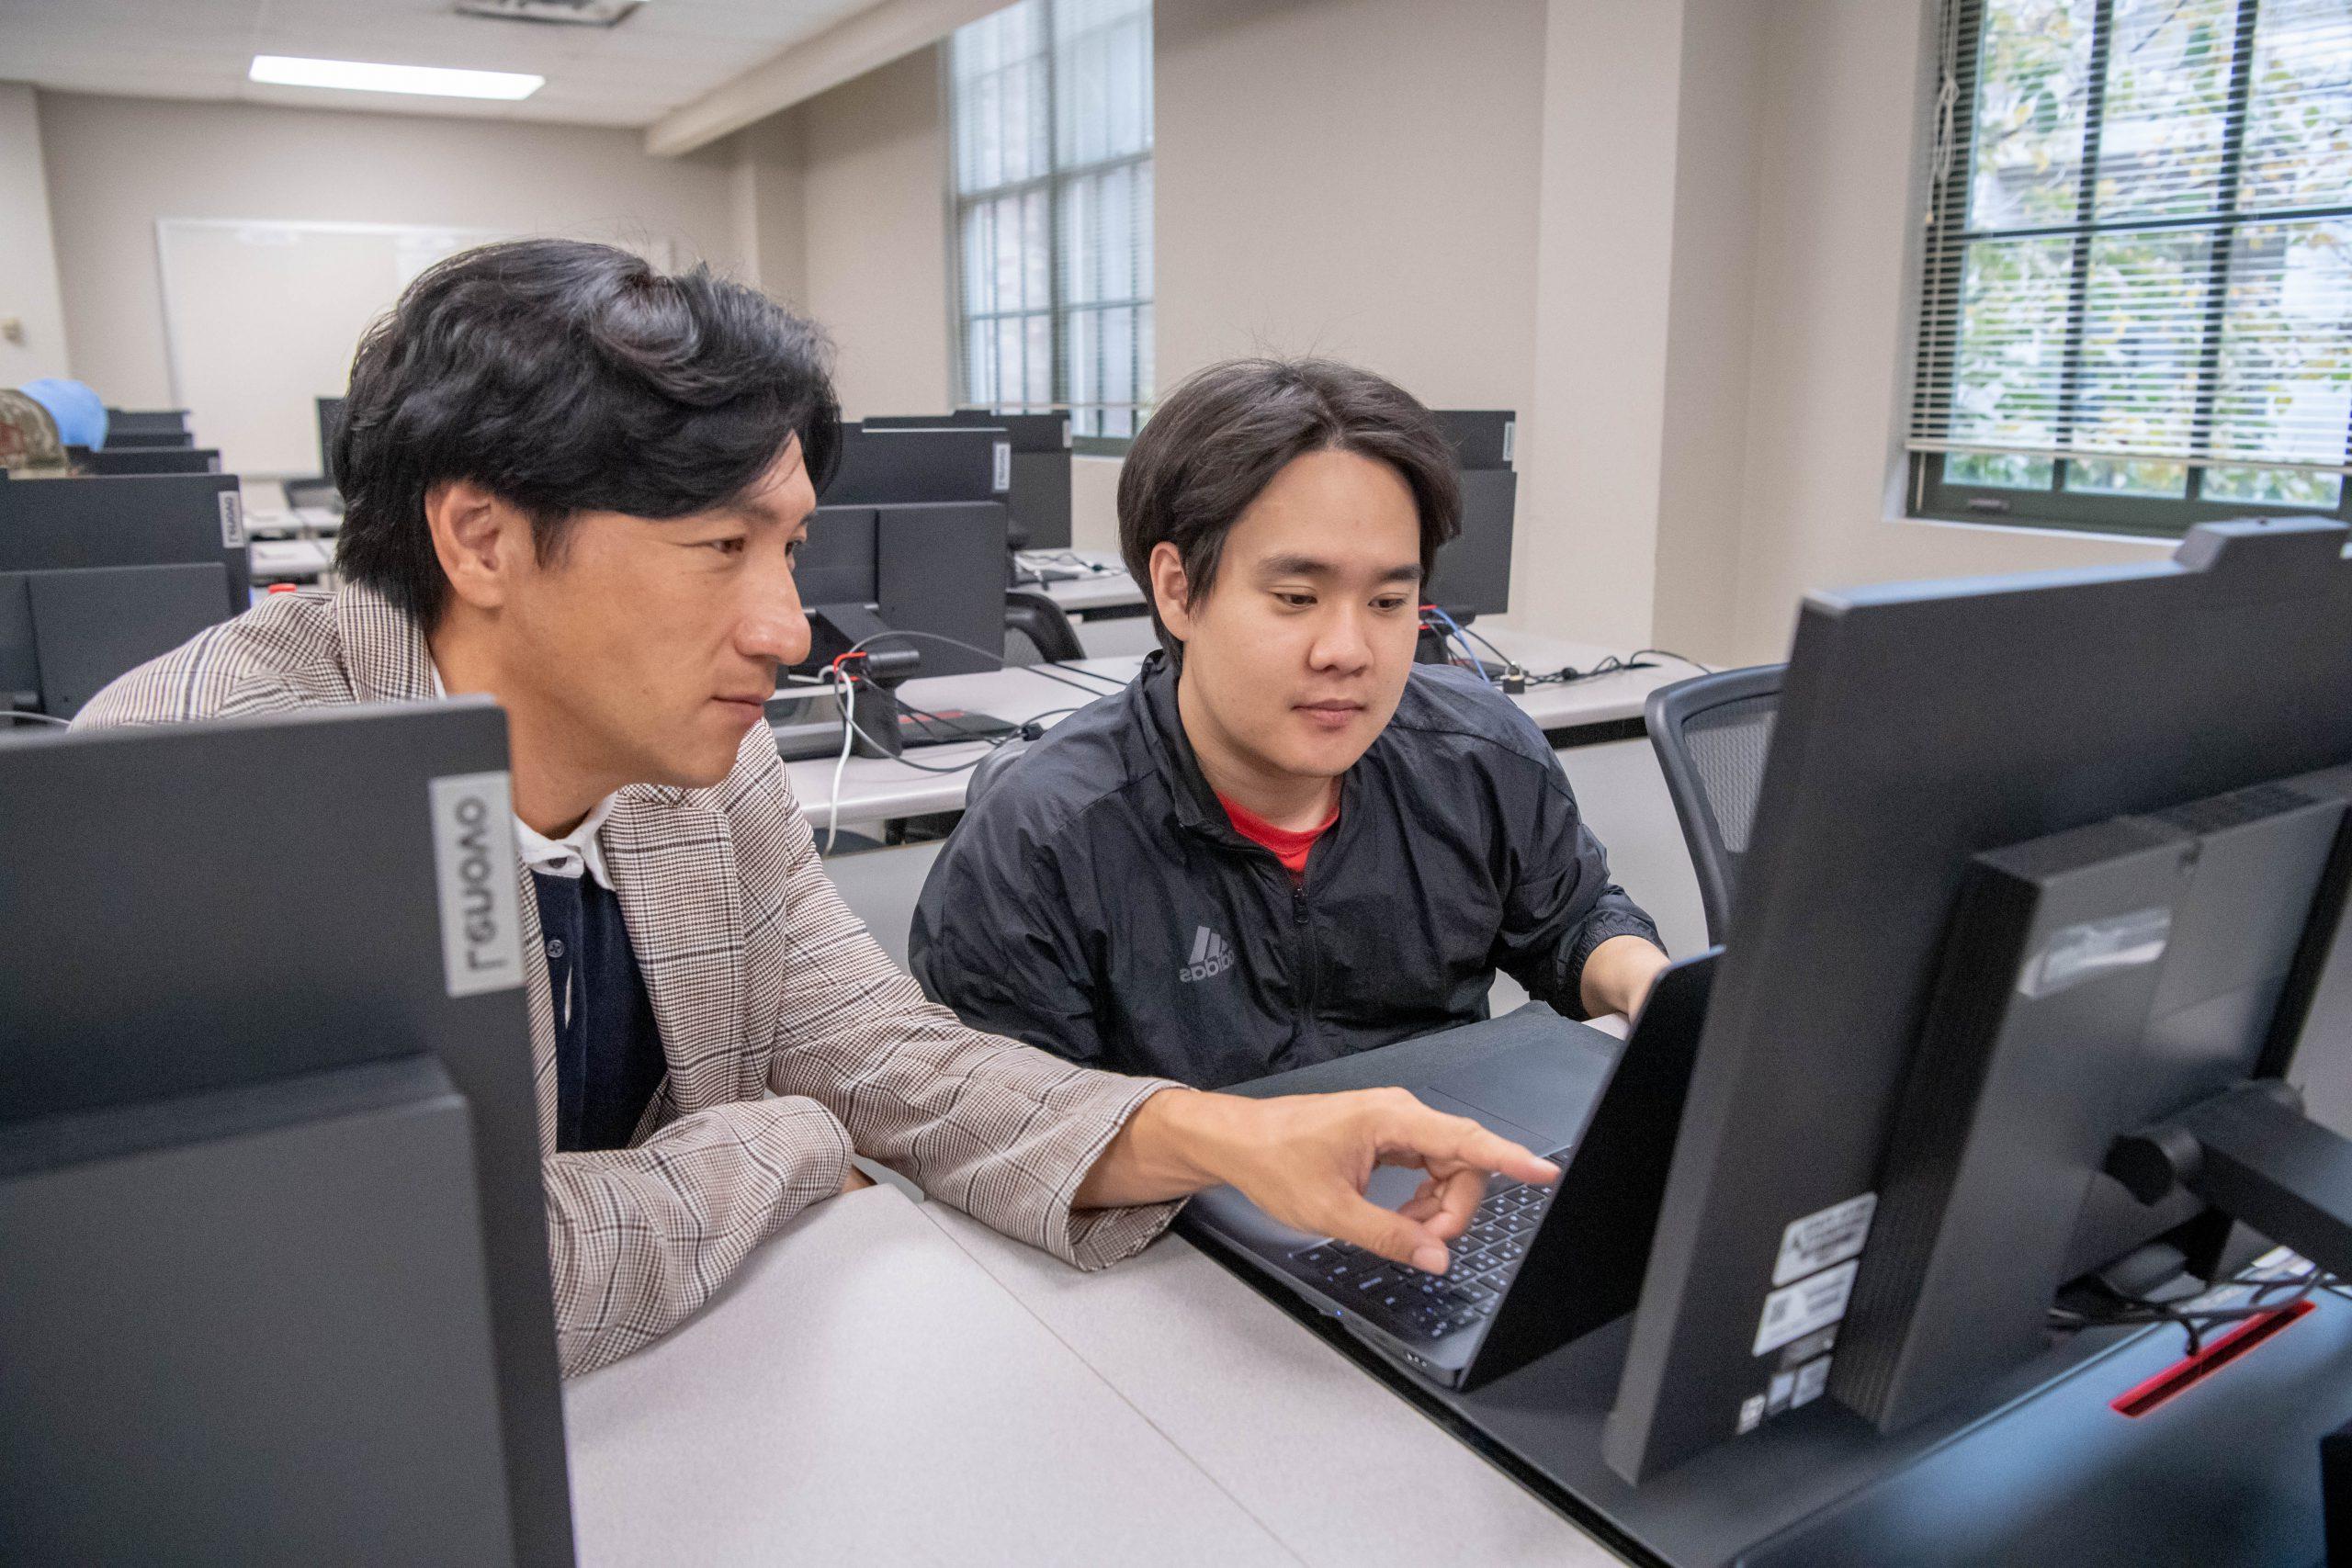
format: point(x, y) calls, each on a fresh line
point(859, 731)
point(1669, 653)
point(1110, 684)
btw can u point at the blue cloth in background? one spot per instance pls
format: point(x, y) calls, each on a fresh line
point(80, 413)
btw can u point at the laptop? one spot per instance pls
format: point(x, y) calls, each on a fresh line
point(1539, 1266)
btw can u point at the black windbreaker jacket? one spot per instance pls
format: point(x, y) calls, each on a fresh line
point(1098, 902)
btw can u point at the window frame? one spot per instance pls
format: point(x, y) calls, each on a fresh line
point(1053, 182)
point(1928, 494)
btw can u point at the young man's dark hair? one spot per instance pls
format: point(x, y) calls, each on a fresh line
point(567, 377)
point(1220, 439)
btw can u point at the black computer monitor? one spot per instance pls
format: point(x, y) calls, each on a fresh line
point(64, 635)
point(275, 1284)
point(144, 440)
point(885, 467)
point(1472, 576)
point(329, 411)
point(1038, 496)
point(146, 422)
point(155, 520)
point(935, 568)
point(2038, 863)
point(1481, 438)
point(115, 462)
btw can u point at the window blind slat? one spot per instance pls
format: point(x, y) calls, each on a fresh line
point(2186, 299)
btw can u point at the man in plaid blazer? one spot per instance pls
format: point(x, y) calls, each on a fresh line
point(577, 486)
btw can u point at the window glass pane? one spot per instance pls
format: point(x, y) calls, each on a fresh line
point(979, 364)
point(1079, 229)
point(2012, 351)
point(1119, 357)
point(2144, 328)
point(2275, 487)
point(1037, 391)
point(1051, 116)
point(2002, 471)
point(2167, 88)
point(2285, 390)
point(2033, 75)
point(2299, 118)
point(2098, 476)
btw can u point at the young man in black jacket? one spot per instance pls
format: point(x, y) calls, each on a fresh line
point(1285, 842)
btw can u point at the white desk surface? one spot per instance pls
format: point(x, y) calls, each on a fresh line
point(875, 788)
point(890, 1382)
point(1106, 589)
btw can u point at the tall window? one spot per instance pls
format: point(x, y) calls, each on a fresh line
point(2137, 312)
point(1050, 102)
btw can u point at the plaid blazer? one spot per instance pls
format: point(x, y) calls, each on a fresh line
point(791, 1038)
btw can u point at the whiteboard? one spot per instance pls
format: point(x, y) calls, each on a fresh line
point(261, 319)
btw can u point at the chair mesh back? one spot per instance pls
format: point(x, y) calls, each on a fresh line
point(1726, 746)
point(1019, 649)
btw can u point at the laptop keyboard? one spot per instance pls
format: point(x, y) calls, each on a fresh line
point(1415, 1305)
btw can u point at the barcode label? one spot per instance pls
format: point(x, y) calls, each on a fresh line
point(1795, 1310)
point(232, 520)
point(1830, 1235)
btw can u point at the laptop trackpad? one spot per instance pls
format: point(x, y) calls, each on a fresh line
point(1540, 1095)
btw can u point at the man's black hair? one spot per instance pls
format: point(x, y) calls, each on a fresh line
point(565, 377)
point(1220, 439)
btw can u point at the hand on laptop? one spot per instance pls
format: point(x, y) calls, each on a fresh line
point(1305, 1159)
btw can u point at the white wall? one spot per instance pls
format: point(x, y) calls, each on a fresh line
point(114, 166)
point(28, 291)
point(1349, 177)
point(875, 228)
point(1845, 106)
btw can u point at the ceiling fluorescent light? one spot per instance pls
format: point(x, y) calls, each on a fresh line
point(288, 71)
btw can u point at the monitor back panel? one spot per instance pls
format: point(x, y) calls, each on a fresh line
point(1472, 570)
point(89, 626)
point(118, 461)
point(152, 520)
point(943, 572)
point(882, 467)
point(298, 896)
point(837, 561)
point(1920, 725)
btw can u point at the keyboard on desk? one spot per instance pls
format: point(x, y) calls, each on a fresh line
point(1414, 1305)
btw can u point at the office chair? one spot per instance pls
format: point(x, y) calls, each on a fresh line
point(1038, 631)
point(1711, 735)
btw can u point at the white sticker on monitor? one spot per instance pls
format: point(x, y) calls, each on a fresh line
point(1811, 1378)
point(473, 861)
point(1511, 434)
point(1751, 1413)
point(1002, 476)
point(1794, 1311)
point(1817, 1240)
point(2077, 955)
point(1066, 440)
point(232, 520)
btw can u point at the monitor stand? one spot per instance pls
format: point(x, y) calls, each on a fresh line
point(2036, 1466)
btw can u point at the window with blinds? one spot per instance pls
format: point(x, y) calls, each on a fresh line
point(1050, 104)
point(2137, 308)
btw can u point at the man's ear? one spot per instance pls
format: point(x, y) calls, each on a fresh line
point(478, 540)
point(1171, 592)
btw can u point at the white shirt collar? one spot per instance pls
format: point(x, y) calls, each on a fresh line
point(576, 853)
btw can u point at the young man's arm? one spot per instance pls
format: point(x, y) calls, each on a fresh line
point(1570, 935)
